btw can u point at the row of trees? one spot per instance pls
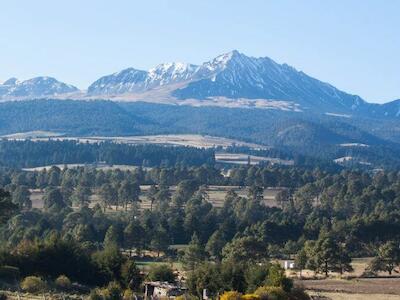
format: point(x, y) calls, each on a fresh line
point(43, 153)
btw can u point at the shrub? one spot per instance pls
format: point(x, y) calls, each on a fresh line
point(250, 297)
point(232, 295)
point(96, 294)
point(186, 297)
point(62, 282)
point(161, 273)
point(128, 295)
point(33, 284)
point(277, 278)
point(131, 275)
point(271, 293)
point(113, 291)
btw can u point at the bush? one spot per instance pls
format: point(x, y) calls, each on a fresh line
point(161, 273)
point(271, 293)
point(3, 296)
point(96, 294)
point(131, 275)
point(186, 297)
point(250, 297)
point(113, 291)
point(128, 295)
point(277, 278)
point(33, 284)
point(63, 283)
point(232, 295)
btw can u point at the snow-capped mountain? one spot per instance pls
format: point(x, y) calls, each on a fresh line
point(229, 80)
point(132, 80)
point(230, 76)
point(235, 75)
point(34, 88)
point(128, 80)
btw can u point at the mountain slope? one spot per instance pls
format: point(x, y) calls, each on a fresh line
point(69, 117)
point(33, 88)
point(233, 76)
point(132, 80)
point(313, 135)
point(229, 80)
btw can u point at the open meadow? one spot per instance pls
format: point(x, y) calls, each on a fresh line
point(216, 196)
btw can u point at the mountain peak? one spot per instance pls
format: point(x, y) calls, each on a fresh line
point(231, 75)
point(41, 86)
point(170, 72)
point(223, 59)
point(11, 81)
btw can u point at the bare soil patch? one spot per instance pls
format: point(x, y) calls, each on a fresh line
point(390, 286)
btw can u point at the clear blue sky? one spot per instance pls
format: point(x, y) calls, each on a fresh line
point(353, 44)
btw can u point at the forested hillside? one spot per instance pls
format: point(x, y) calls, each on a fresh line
point(300, 134)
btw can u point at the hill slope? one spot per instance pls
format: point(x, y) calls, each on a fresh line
point(318, 136)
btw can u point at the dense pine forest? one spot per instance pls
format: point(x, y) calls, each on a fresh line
point(322, 218)
point(20, 154)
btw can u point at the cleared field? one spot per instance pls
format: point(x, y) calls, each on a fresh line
point(367, 286)
point(347, 296)
point(216, 196)
point(37, 198)
point(32, 135)
point(97, 166)
point(193, 140)
point(47, 296)
point(244, 159)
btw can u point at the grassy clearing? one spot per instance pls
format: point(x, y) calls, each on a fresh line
point(347, 296)
point(390, 286)
point(192, 140)
point(146, 265)
point(216, 196)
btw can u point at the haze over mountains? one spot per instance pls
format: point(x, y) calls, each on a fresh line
point(229, 80)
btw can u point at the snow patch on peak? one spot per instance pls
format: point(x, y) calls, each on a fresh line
point(221, 62)
point(171, 72)
point(41, 86)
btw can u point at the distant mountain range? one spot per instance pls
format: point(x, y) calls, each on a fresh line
point(33, 88)
point(234, 96)
point(229, 80)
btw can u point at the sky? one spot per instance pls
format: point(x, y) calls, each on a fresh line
point(352, 44)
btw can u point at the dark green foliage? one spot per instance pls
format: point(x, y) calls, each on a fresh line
point(109, 261)
point(331, 216)
point(161, 273)
point(53, 257)
point(309, 138)
point(7, 208)
point(32, 154)
point(131, 275)
point(388, 258)
point(233, 276)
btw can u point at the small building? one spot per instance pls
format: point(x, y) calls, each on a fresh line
point(288, 265)
point(159, 290)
